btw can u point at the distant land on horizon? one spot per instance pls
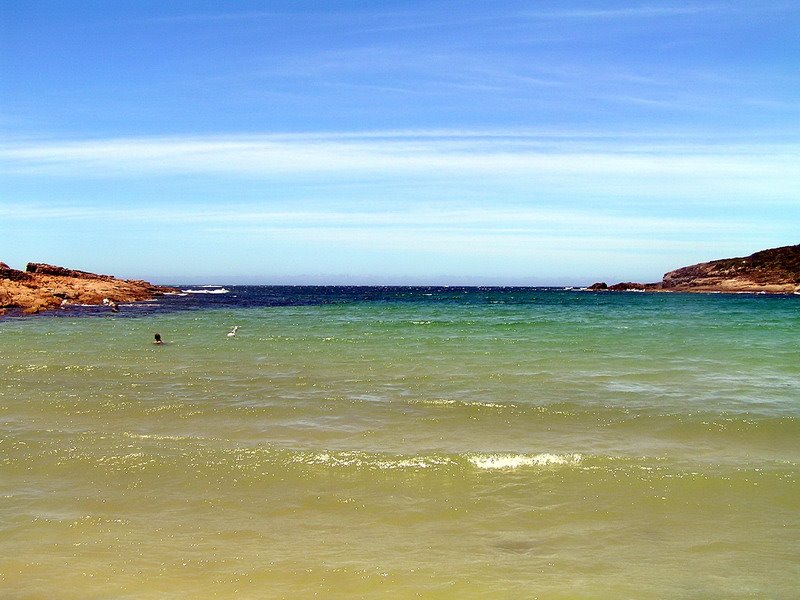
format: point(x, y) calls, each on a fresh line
point(42, 287)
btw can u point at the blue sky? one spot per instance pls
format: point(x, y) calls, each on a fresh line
point(397, 142)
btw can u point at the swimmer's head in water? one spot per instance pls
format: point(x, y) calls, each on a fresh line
point(158, 338)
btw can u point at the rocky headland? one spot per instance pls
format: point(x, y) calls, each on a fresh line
point(41, 287)
point(773, 271)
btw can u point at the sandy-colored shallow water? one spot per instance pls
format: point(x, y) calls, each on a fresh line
point(484, 444)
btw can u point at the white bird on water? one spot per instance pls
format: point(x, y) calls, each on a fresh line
point(232, 332)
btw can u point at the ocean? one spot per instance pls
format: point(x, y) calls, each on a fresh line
point(392, 443)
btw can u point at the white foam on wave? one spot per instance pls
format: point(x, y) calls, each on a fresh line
point(461, 403)
point(157, 437)
point(515, 461)
point(220, 290)
point(365, 460)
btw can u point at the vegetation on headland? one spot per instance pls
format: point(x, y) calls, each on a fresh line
point(41, 287)
point(775, 271)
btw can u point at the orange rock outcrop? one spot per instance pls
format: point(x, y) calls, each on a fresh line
point(772, 271)
point(43, 287)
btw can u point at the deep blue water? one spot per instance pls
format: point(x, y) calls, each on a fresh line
point(250, 296)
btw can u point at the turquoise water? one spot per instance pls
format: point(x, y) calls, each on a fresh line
point(424, 443)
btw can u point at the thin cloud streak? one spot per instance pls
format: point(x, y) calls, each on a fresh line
point(248, 218)
point(644, 11)
point(269, 156)
point(456, 242)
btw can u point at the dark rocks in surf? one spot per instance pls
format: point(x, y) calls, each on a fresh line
point(627, 286)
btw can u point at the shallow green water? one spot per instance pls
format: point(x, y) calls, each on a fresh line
point(562, 445)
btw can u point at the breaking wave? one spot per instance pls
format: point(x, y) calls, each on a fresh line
point(208, 290)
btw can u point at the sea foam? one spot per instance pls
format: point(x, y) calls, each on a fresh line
point(207, 290)
point(515, 461)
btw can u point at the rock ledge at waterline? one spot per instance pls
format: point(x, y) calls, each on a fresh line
point(41, 287)
point(774, 271)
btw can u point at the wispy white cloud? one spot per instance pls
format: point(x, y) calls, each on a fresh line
point(672, 102)
point(443, 241)
point(460, 153)
point(627, 12)
point(380, 21)
point(500, 220)
point(502, 232)
point(252, 15)
point(492, 242)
